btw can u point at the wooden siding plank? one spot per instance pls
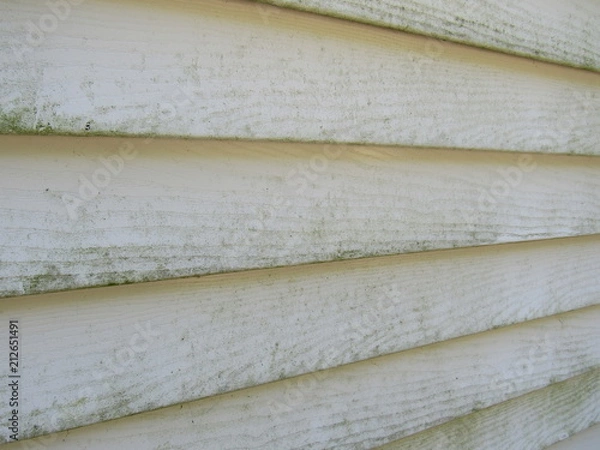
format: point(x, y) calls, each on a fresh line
point(211, 335)
point(586, 440)
point(222, 69)
point(85, 212)
point(551, 30)
point(530, 422)
point(362, 405)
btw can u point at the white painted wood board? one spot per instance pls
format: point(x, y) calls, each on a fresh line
point(175, 208)
point(119, 347)
point(586, 440)
point(366, 404)
point(222, 69)
point(531, 422)
point(564, 32)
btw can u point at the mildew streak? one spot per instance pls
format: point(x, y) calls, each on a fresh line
point(565, 33)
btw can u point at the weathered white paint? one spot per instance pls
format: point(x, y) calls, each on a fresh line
point(365, 404)
point(222, 69)
point(530, 422)
point(587, 440)
point(168, 208)
point(186, 207)
point(565, 32)
point(119, 347)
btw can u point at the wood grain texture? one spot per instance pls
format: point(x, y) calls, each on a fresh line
point(586, 440)
point(119, 347)
point(530, 422)
point(552, 30)
point(362, 405)
point(175, 208)
point(228, 69)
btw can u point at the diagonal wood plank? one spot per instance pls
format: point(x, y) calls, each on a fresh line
point(362, 405)
point(530, 422)
point(118, 347)
point(222, 69)
point(551, 30)
point(85, 212)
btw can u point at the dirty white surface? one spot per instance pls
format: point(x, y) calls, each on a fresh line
point(564, 32)
point(94, 210)
point(530, 422)
point(100, 354)
point(187, 207)
point(225, 70)
point(365, 404)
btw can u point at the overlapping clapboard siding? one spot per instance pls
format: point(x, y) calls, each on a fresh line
point(222, 70)
point(564, 32)
point(370, 403)
point(210, 335)
point(326, 233)
point(84, 212)
point(532, 421)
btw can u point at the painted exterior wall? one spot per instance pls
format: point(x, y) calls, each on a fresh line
point(237, 224)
